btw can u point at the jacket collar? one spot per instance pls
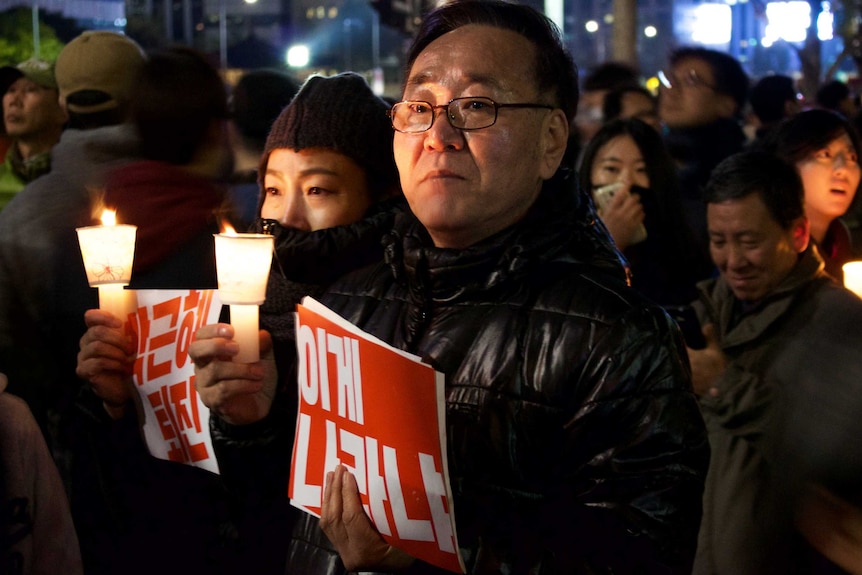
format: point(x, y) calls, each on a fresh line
point(322, 256)
point(560, 226)
point(740, 327)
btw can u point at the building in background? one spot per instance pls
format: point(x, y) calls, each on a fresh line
point(369, 36)
point(766, 36)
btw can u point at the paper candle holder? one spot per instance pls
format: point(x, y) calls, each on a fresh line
point(242, 266)
point(108, 252)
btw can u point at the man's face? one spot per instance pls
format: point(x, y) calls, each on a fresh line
point(692, 100)
point(752, 252)
point(467, 185)
point(29, 110)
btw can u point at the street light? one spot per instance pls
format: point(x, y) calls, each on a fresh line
point(591, 26)
point(298, 56)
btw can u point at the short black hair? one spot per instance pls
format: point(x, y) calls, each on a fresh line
point(612, 106)
point(769, 95)
point(831, 94)
point(555, 69)
point(758, 172)
point(730, 78)
point(797, 138)
point(178, 95)
point(610, 75)
point(258, 98)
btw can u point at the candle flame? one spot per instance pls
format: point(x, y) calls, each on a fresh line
point(109, 218)
point(227, 229)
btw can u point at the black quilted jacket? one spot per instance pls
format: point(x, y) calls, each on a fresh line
point(575, 441)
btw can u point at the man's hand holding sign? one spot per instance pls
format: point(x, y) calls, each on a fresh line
point(370, 437)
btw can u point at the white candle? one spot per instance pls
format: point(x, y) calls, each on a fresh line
point(244, 319)
point(117, 300)
point(853, 277)
point(242, 265)
point(108, 252)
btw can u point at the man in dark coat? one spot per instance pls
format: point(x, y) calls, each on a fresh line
point(575, 444)
point(771, 295)
point(703, 93)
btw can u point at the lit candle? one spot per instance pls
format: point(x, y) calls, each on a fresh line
point(242, 265)
point(853, 277)
point(108, 252)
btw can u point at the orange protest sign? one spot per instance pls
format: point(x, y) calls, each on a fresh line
point(381, 413)
point(175, 422)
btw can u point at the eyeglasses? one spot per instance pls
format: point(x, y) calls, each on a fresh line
point(473, 113)
point(689, 80)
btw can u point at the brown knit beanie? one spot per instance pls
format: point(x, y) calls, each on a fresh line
point(338, 113)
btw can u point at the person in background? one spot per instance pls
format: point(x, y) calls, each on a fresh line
point(170, 517)
point(701, 99)
point(770, 294)
point(43, 286)
point(256, 101)
point(5, 139)
point(665, 264)
point(328, 195)
point(38, 536)
point(835, 96)
point(601, 80)
point(824, 147)
point(561, 460)
point(631, 102)
point(773, 99)
point(33, 120)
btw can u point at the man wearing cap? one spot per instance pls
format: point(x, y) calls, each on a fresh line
point(96, 73)
point(43, 286)
point(33, 119)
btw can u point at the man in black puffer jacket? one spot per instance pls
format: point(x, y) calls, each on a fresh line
point(575, 443)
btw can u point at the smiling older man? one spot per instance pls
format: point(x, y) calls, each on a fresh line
point(771, 291)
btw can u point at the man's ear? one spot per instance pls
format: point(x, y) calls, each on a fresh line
point(801, 228)
point(555, 138)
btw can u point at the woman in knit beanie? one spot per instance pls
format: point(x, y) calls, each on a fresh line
point(329, 192)
point(328, 185)
point(336, 127)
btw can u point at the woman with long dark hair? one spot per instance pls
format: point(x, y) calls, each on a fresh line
point(644, 216)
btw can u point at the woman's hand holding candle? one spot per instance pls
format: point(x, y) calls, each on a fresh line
point(106, 359)
point(239, 393)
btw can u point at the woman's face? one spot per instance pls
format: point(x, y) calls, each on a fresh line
point(619, 160)
point(314, 189)
point(830, 177)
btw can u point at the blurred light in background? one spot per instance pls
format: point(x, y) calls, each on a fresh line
point(789, 21)
point(707, 24)
point(298, 56)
